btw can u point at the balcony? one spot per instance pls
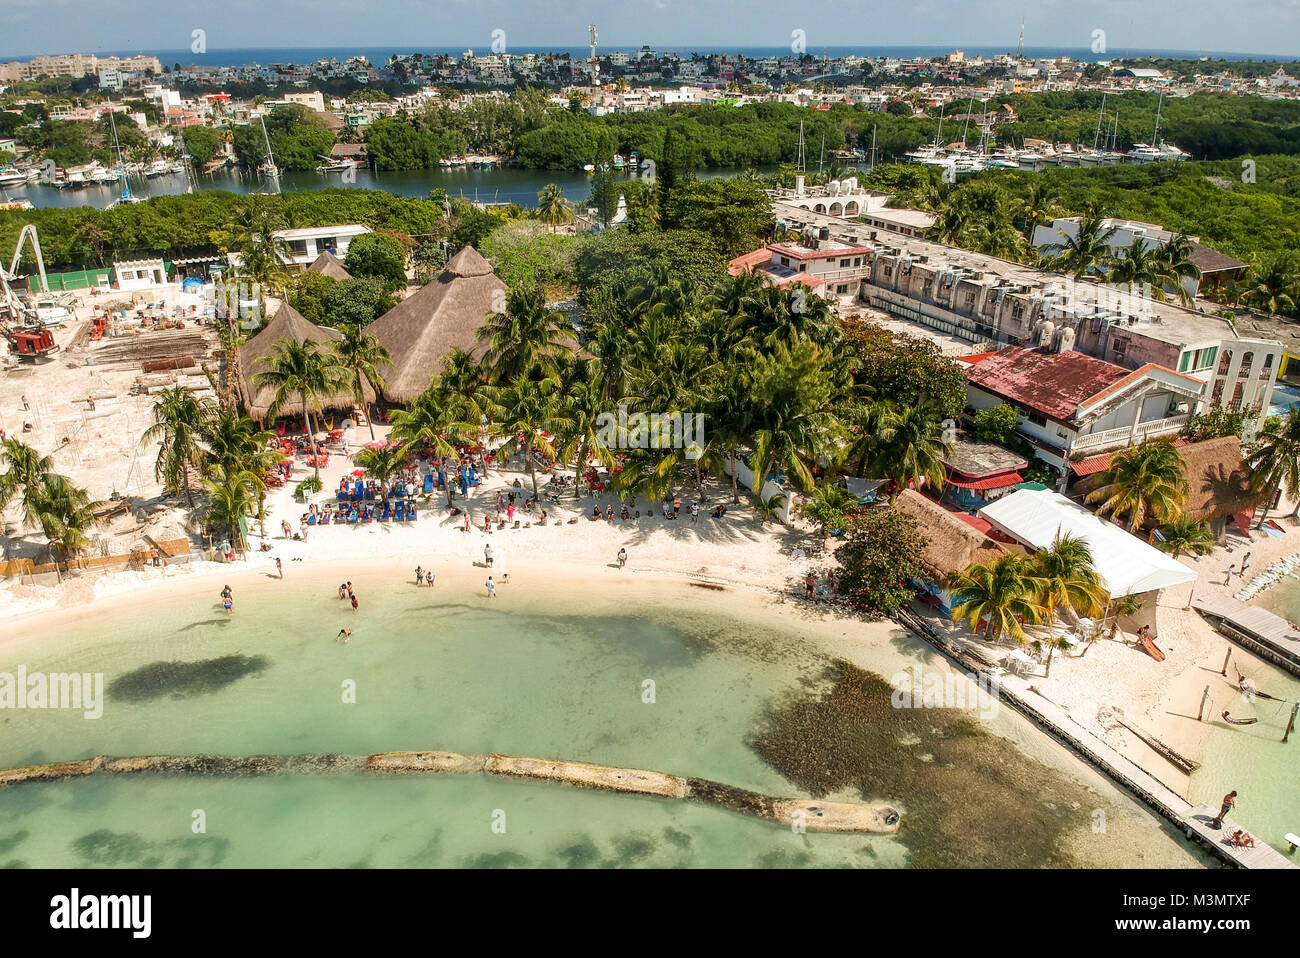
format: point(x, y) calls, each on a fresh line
point(1114, 438)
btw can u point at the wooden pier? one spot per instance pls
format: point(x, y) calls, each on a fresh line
point(1260, 631)
point(1191, 819)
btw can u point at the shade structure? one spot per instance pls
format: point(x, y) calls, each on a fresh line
point(1124, 563)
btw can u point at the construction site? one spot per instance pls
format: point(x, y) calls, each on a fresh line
point(80, 373)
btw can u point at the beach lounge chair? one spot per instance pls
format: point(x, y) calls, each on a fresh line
point(399, 512)
point(386, 513)
point(311, 519)
point(352, 517)
point(428, 484)
point(368, 515)
point(411, 513)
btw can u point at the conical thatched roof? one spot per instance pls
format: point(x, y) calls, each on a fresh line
point(256, 354)
point(444, 315)
point(327, 264)
point(951, 545)
point(1218, 479)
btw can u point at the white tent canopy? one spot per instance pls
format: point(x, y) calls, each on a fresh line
point(1125, 564)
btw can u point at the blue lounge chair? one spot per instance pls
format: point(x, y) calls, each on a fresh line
point(386, 514)
point(428, 483)
point(399, 512)
point(352, 517)
point(411, 513)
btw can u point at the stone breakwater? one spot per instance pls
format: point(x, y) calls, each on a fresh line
point(813, 816)
point(1270, 577)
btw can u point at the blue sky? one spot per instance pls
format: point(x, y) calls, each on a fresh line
point(59, 26)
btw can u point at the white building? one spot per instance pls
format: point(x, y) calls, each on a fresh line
point(307, 243)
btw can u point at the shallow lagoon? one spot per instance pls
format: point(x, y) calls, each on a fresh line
point(769, 698)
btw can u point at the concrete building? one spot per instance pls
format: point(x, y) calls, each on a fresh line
point(307, 243)
point(1071, 404)
point(1216, 268)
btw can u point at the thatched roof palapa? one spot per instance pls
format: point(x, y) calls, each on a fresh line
point(1218, 479)
point(255, 357)
point(951, 546)
point(446, 314)
point(327, 264)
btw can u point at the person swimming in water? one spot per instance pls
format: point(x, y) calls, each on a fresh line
point(344, 634)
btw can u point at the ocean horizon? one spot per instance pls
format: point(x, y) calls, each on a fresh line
point(379, 55)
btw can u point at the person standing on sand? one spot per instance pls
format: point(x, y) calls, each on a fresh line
point(487, 554)
point(491, 588)
point(1229, 803)
point(695, 512)
point(25, 406)
point(279, 567)
point(428, 578)
point(419, 576)
point(1231, 569)
point(809, 583)
point(622, 558)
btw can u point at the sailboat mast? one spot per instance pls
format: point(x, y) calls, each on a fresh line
point(821, 160)
point(1100, 113)
point(802, 161)
point(1155, 137)
point(873, 146)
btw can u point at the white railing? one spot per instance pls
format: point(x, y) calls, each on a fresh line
point(1120, 437)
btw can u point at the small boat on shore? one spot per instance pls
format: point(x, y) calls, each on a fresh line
point(1236, 721)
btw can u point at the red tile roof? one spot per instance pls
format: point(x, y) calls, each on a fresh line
point(988, 482)
point(1053, 384)
point(746, 262)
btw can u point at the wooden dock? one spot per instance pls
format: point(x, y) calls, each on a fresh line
point(1057, 722)
point(1260, 631)
point(1262, 855)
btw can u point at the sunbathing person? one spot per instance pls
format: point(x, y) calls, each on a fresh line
point(1241, 839)
point(595, 511)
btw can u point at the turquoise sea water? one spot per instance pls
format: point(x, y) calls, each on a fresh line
point(770, 701)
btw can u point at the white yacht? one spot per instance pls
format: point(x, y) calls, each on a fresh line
point(157, 168)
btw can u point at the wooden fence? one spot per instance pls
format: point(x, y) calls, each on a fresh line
point(137, 559)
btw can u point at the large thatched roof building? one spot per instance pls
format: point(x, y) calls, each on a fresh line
point(444, 315)
point(1218, 482)
point(327, 264)
point(951, 545)
point(256, 354)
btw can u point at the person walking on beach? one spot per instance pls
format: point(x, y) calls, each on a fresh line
point(279, 567)
point(1245, 564)
point(25, 406)
point(491, 588)
point(344, 634)
point(487, 555)
point(809, 583)
point(695, 512)
point(153, 554)
point(1231, 569)
point(1229, 802)
point(622, 558)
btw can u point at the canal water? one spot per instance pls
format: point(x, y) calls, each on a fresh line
point(498, 184)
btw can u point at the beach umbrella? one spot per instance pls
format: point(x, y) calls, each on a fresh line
point(358, 473)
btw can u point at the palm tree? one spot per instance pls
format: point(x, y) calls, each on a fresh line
point(793, 424)
point(1182, 534)
point(1176, 265)
point(1039, 207)
point(180, 418)
point(552, 208)
point(1067, 579)
point(1274, 286)
point(64, 513)
point(913, 447)
point(1274, 459)
point(768, 509)
point(527, 338)
point(1088, 249)
point(1139, 266)
point(1144, 483)
point(1002, 594)
point(583, 404)
point(430, 419)
point(525, 410)
point(299, 370)
point(233, 496)
point(29, 472)
point(380, 464)
point(830, 507)
point(361, 356)
point(234, 442)
point(1055, 643)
